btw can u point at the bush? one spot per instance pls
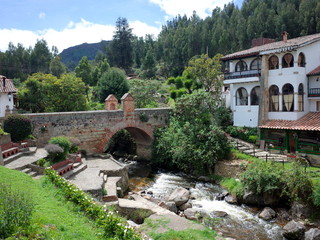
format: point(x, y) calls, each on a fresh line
point(18, 126)
point(74, 145)
point(55, 153)
point(316, 196)
point(242, 133)
point(63, 142)
point(15, 210)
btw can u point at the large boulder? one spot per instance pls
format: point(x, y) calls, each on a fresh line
point(219, 214)
point(185, 206)
point(294, 230)
point(251, 198)
point(267, 214)
point(299, 210)
point(179, 196)
point(312, 234)
point(230, 199)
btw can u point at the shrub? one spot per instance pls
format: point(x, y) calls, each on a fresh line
point(18, 126)
point(15, 210)
point(74, 145)
point(55, 153)
point(316, 196)
point(253, 139)
point(63, 142)
point(2, 132)
point(242, 133)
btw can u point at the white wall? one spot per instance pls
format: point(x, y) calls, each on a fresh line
point(4, 101)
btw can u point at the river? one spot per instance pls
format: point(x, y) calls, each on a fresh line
point(241, 223)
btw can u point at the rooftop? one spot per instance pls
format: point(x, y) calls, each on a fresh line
point(309, 122)
point(314, 72)
point(6, 85)
point(279, 46)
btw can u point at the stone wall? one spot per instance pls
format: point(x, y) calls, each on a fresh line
point(95, 128)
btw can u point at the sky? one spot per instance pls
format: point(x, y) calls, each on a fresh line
point(66, 23)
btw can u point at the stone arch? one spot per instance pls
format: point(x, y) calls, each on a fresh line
point(142, 138)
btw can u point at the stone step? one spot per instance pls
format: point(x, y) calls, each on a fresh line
point(80, 167)
point(33, 174)
point(12, 158)
point(26, 170)
point(111, 188)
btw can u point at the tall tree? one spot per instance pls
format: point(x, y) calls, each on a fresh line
point(40, 57)
point(119, 51)
point(57, 68)
point(83, 71)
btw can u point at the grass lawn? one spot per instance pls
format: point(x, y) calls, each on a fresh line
point(53, 217)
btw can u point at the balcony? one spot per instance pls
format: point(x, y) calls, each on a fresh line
point(314, 92)
point(243, 74)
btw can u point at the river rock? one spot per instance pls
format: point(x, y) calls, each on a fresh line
point(162, 204)
point(204, 178)
point(312, 234)
point(185, 206)
point(219, 214)
point(252, 199)
point(220, 197)
point(294, 230)
point(190, 214)
point(230, 199)
point(267, 214)
point(171, 206)
point(300, 211)
point(179, 196)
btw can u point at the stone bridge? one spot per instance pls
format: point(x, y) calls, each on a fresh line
point(94, 129)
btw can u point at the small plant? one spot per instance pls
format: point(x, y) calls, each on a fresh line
point(2, 132)
point(143, 117)
point(63, 142)
point(15, 210)
point(104, 191)
point(18, 126)
point(41, 162)
point(74, 145)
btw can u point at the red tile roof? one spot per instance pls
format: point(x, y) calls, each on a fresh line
point(291, 44)
point(309, 122)
point(9, 87)
point(315, 71)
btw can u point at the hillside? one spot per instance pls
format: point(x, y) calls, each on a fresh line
point(72, 55)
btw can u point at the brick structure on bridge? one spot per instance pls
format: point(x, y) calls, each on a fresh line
point(94, 129)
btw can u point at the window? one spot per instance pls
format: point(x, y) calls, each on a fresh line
point(287, 98)
point(301, 60)
point(287, 60)
point(273, 99)
point(273, 62)
point(256, 64)
point(255, 96)
point(300, 98)
point(242, 97)
point(241, 66)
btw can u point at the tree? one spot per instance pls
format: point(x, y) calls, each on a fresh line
point(207, 71)
point(47, 93)
point(112, 82)
point(57, 68)
point(40, 57)
point(65, 94)
point(83, 71)
point(192, 142)
point(149, 66)
point(119, 51)
point(144, 93)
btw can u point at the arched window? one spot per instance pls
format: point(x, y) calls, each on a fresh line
point(255, 95)
point(241, 97)
point(241, 66)
point(256, 64)
point(287, 60)
point(273, 99)
point(287, 98)
point(273, 62)
point(301, 60)
point(300, 98)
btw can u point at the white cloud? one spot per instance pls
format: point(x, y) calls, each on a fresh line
point(182, 7)
point(42, 15)
point(73, 34)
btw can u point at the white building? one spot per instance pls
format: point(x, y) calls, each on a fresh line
point(275, 85)
point(7, 89)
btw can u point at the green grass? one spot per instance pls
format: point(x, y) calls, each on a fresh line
point(190, 234)
point(53, 216)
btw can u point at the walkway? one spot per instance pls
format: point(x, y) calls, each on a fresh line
point(24, 160)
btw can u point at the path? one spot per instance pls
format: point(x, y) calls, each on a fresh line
point(24, 160)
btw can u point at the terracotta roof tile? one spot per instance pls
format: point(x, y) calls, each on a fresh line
point(289, 45)
point(315, 71)
point(309, 122)
point(9, 87)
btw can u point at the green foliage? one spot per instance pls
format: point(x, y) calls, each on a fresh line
point(242, 133)
point(83, 71)
point(123, 142)
point(41, 162)
point(45, 92)
point(185, 235)
point(112, 82)
point(192, 141)
point(233, 186)
point(16, 209)
point(114, 227)
point(18, 126)
point(143, 117)
point(57, 68)
point(316, 195)
point(61, 141)
point(253, 139)
point(55, 153)
point(2, 132)
point(144, 92)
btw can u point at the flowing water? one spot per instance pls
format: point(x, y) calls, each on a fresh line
point(241, 223)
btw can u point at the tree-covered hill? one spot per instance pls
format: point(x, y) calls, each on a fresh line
point(72, 55)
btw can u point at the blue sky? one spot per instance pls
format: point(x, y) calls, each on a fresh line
point(65, 23)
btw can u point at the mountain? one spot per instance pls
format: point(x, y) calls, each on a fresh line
point(72, 55)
